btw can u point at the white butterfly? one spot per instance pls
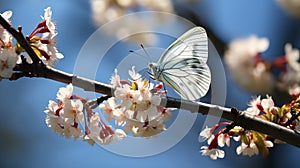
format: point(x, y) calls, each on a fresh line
point(183, 65)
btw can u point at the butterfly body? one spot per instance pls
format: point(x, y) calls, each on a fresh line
point(183, 65)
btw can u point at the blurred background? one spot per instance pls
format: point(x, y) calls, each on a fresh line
point(25, 140)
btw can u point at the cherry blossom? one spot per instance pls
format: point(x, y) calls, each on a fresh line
point(224, 139)
point(247, 150)
point(65, 93)
point(246, 65)
point(110, 108)
point(42, 39)
point(213, 153)
point(50, 25)
point(267, 103)
point(8, 60)
point(115, 79)
point(206, 134)
point(292, 74)
point(255, 106)
point(72, 111)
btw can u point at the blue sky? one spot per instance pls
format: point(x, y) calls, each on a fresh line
point(27, 142)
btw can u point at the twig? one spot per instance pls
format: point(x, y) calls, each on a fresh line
point(18, 35)
point(242, 119)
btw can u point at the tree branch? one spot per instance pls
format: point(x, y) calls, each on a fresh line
point(240, 118)
point(17, 34)
point(37, 69)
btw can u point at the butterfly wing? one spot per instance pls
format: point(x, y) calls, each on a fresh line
point(183, 65)
point(193, 41)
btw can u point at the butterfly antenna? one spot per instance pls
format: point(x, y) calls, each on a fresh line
point(138, 54)
point(149, 58)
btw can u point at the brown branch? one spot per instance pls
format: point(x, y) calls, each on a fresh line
point(18, 35)
point(242, 119)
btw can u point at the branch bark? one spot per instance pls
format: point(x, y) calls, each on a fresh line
point(240, 118)
point(17, 34)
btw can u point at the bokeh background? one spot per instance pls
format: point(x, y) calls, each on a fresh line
point(25, 140)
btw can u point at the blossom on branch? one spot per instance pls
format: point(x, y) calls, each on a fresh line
point(253, 142)
point(42, 39)
point(246, 65)
point(135, 108)
point(213, 153)
point(254, 73)
point(8, 56)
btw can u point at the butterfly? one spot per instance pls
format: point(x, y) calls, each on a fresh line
point(183, 66)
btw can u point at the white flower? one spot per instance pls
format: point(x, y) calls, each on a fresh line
point(107, 135)
point(223, 139)
point(245, 66)
point(49, 47)
point(294, 90)
point(267, 103)
point(110, 108)
point(115, 79)
point(8, 60)
point(269, 144)
point(292, 75)
point(52, 109)
point(120, 118)
point(134, 75)
point(213, 153)
point(53, 53)
point(254, 108)
point(65, 93)
point(147, 109)
point(126, 95)
point(74, 132)
point(62, 122)
point(247, 150)
point(119, 135)
point(101, 133)
point(133, 126)
point(152, 128)
point(94, 124)
point(53, 121)
point(51, 26)
point(72, 111)
point(292, 56)
point(206, 134)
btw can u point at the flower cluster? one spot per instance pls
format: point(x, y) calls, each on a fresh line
point(252, 142)
point(70, 112)
point(135, 108)
point(8, 56)
point(105, 11)
point(43, 45)
point(252, 72)
point(64, 115)
point(42, 39)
